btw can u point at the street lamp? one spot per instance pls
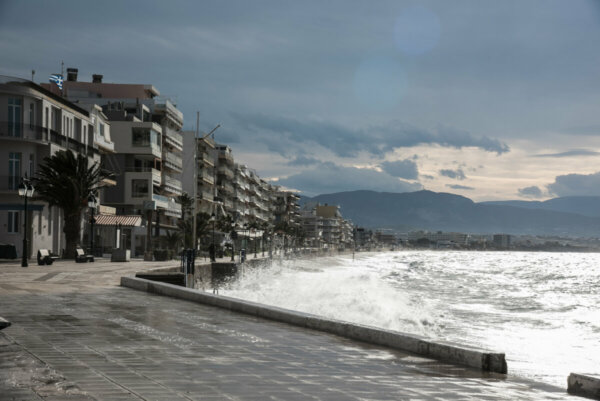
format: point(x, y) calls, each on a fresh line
point(92, 204)
point(213, 251)
point(26, 191)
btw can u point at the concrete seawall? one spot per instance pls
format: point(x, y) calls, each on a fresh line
point(444, 351)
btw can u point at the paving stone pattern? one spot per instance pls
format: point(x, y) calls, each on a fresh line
point(103, 342)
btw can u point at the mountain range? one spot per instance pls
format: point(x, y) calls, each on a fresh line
point(567, 216)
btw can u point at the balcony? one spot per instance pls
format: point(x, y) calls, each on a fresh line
point(225, 171)
point(102, 143)
point(206, 176)
point(20, 131)
point(172, 185)
point(173, 138)
point(172, 161)
point(173, 209)
point(226, 157)
point(206, 195)
point(206, 159)
point(165, 106)
point(226, 187)
point(160, 201)
point(152, 173)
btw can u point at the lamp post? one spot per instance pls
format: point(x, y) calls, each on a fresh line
point(233, 238)
point(92, 204)
point(213, 251)
point(26, 191)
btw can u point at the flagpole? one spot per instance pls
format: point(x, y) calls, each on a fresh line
point(62, 75)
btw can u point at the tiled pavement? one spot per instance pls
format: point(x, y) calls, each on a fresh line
point(77, 336)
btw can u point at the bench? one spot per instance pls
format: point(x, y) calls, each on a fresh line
point(44, 257)
point(81, 257)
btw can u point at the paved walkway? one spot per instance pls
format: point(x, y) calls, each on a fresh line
point(76, 335)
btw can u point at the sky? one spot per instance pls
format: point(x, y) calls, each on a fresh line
point(491, 100)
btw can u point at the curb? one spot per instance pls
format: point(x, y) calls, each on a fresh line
point(584, 385)
point(443, 351)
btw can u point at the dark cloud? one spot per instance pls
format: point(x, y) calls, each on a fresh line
point(576, 185)
point(457, 174)
point(463, 187)
point(303, 161)
point(574, 152)
point(406, 169)
point(329, 178)
point(347, 142)
point(531, 192)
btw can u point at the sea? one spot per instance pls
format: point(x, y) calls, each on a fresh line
point(541, 309)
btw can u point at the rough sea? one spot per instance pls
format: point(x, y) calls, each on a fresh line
point(541, 309)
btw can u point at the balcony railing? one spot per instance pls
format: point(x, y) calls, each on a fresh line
point(173, 138)
point(206, 195)
point(173, 209)
point(173, 161)
point(170, 109)
point(227, 187)
point(206, 159)
point(206, 176)
point(172, 185)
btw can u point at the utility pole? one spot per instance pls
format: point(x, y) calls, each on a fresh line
point(195, 209)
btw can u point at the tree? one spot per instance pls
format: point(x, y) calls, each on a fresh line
point(66, 180)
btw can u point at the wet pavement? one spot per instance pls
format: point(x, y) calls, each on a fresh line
point(76, 335)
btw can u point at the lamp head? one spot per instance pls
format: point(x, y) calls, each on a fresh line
point(22, 189)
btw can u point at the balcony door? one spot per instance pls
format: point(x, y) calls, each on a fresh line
point(15, 112)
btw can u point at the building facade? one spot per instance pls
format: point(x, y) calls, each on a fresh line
point(36, 123)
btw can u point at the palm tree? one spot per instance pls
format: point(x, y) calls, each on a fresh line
point(66, 181)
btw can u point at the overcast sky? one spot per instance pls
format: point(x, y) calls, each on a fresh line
point(491, 100)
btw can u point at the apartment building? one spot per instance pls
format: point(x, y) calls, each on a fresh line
point(286, 208)
point(36, 123)
point(325, 227)
point(205, 170)
point(146, 130)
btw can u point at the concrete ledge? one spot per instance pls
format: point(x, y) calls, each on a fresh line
point(584, 385)
point(444, 351)
point(4, 323)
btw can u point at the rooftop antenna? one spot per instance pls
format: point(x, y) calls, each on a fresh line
point(32, 75)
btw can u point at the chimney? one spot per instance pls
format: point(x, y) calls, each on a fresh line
point(97, 78)
point(72, 74)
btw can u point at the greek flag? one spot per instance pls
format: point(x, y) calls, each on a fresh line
point(57, 79)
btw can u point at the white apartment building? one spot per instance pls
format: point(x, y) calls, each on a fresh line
point(36, 123)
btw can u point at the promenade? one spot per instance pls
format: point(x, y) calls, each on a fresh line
point(77, 335)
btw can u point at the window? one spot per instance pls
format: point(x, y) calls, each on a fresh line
point(14, 170)
point(31, 165)
point(140, 137)
point(39, 223)
point(14, 116)
point(145, 137)
point(31, 115)
point(13, 222)
point(139, 188)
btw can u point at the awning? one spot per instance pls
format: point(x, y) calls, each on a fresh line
point(115, 220)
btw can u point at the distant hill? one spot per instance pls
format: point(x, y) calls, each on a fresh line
point(585, 205)
point(448, 212)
